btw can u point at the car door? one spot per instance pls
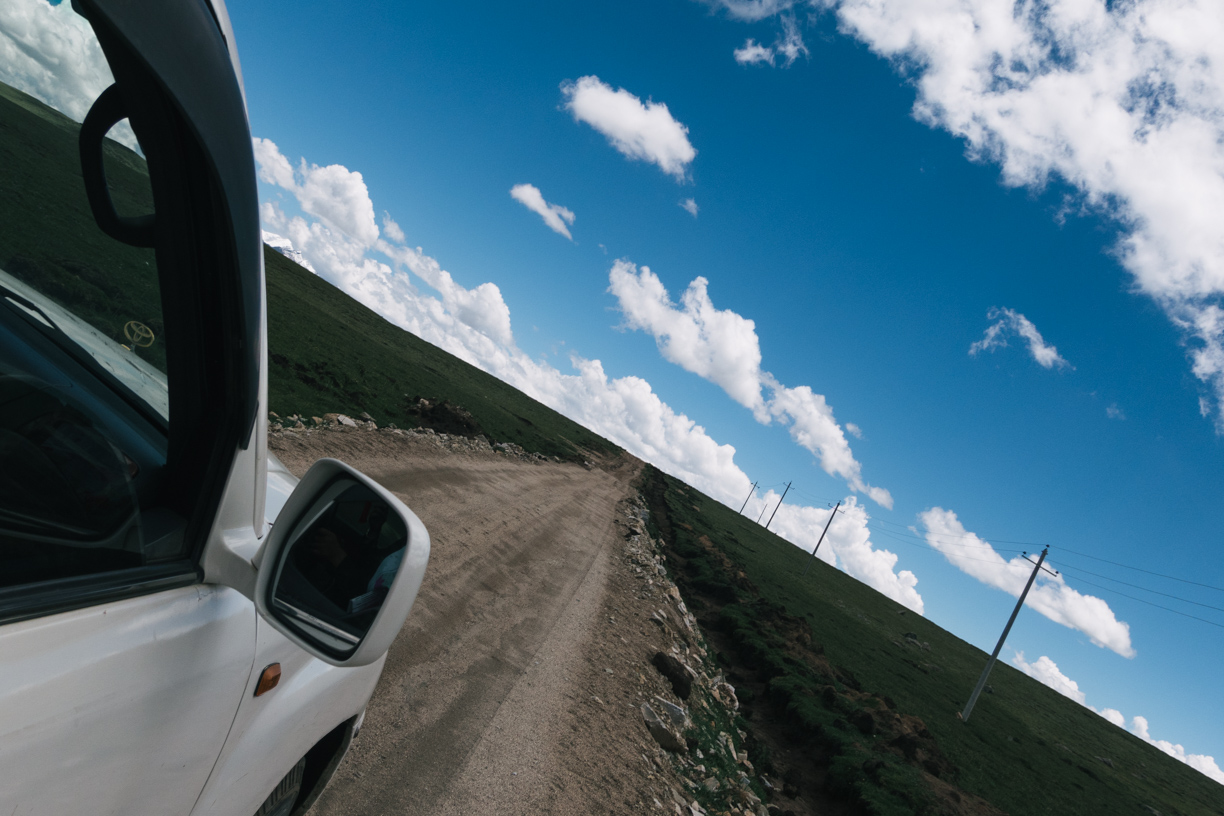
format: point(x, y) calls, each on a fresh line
point(130, 310)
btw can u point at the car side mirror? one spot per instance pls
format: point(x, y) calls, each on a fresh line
point(342, 566)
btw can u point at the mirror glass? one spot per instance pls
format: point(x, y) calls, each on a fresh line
point(338, 567)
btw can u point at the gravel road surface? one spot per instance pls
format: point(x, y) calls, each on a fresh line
point(480, 706)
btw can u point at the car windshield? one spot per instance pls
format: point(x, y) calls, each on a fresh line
point(95, 297)
point(114, 360)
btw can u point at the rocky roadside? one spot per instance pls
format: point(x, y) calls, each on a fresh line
point(456, 443)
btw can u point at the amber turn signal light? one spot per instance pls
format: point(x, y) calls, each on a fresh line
point(268, 679)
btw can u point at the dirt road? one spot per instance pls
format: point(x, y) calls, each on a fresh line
point(476, 708)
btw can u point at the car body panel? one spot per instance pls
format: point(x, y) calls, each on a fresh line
point(122, 708)
point(273, 731)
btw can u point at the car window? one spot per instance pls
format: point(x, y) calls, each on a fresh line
point(84, 405)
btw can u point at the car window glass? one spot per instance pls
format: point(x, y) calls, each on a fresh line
point(339, 571)
point(84, 406)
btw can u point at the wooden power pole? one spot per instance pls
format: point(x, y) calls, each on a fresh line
point(998, 646)
point(822, 535)
point(750, 492)
point(775, 512)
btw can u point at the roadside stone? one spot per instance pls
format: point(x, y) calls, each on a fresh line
point(668, 739)
point(724, 692)
point(678, 716)
point(675, 672)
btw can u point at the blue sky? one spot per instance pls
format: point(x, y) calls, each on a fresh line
point(865, 246)
point(873, 201)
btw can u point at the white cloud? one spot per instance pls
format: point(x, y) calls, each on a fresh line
point(690, 206)
point(1114, 412)
point(336, 195)
point(474, 324)
point(789, 46)
point(753, 10)
point(391, 229)
point(1202, 763)
point(1049, 596)
point(1047, 671)
point(1124, 102)
point(753, 53)
point(790, 43)
point(640, 131)
point(716, 344)
point(854, 430)
point(554, 215)
point(722, 347)
point(1010, 322)
point(51, 53)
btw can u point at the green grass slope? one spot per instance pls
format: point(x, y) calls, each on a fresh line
point(330, 353)
point(1027, 749)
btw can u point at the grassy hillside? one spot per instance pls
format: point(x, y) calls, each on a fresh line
point(330, 353)
point(1027, 749)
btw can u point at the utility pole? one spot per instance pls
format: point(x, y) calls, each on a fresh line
point(775, 512)
point(822, 535)
point(995, 656)
point(750, 492)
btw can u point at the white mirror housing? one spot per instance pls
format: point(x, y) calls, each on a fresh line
point(314, 496)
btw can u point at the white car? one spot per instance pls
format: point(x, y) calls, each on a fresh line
point(184, 628)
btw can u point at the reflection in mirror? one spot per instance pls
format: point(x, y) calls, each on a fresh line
point(339, 567)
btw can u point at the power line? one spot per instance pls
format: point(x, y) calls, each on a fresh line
point(1143, 588)
point(1149, 603)
point(991, 542)
point(897, 535)
point(1141, 569)
point(890, 534)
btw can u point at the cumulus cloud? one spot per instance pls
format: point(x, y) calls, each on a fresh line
point(1122, 101)
point(1046, 670)
point(1009, 322)
point(1202, 763)
point(689, 206)
point(554, 215)
point(334, 194)
point(647, 132)
point(474, 325)
point(752, 53)
point(391, 229)
point(722, 347)
point(716, 344)
point(51, 53)
point(1050, 595)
